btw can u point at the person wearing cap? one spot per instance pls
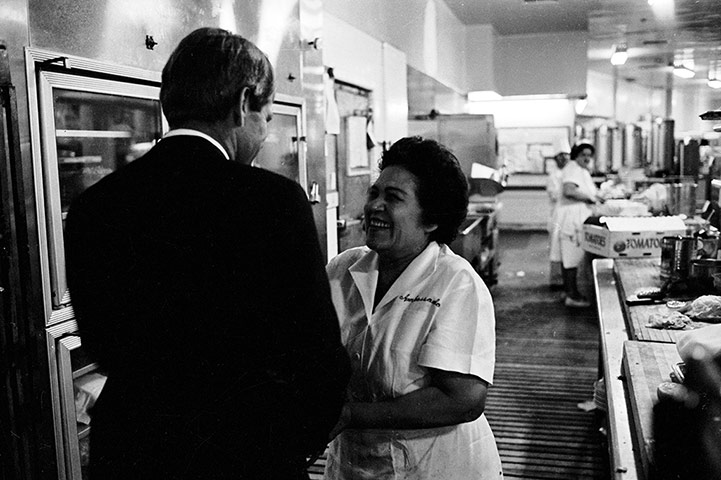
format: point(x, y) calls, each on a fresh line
point(554, 188)
point(199, 287)
point(578, 195)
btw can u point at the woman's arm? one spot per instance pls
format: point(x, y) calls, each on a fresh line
point(571, 190)
point(450, 399)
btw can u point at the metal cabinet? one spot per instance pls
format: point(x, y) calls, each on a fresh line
point(472, 138)
point(87, 120)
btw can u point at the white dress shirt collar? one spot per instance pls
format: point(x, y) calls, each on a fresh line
point(196, 133)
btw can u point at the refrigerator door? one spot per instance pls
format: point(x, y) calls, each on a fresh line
point(284, 150)
point(81, 383)
point(76, 382)
point(86, 126)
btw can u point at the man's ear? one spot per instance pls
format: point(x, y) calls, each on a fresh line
point(430, 228)
point(242, 108)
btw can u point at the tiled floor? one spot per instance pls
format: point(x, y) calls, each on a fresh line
point(547, 358)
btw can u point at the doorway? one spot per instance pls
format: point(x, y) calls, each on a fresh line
point(354, 151)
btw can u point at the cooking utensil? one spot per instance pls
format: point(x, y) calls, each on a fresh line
point(705, 268)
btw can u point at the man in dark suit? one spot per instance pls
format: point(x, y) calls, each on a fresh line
point(199, 286)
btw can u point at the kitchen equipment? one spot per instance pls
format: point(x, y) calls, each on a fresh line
point(633, 146)
point(707, 246)
point(702, 271)
point(667, 256)
point(681, 198)
point(684, 251)
point(617, 148)
point(662, 148)
point(604, 144)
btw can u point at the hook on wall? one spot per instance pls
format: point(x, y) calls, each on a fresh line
point(150, 42)
point(314, 193)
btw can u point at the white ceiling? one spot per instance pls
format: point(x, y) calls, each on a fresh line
point(656, 37)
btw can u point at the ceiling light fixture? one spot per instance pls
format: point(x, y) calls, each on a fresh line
point(620, 55)
point(483, 95)
point(580, 105)
point(683, 71)
point(714, 70)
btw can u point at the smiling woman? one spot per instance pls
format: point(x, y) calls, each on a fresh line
point(419, 325)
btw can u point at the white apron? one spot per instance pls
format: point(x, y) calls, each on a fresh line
point(569, 217)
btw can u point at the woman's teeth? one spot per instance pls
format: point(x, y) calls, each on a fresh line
point(379, 224)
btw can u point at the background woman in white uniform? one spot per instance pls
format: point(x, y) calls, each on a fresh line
point(419, 325)
point(554, 188)
point(579, 193)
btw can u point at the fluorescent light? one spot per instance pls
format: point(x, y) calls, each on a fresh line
point(483, 95)
point(580, 106)
point(619, 55)
point(714, 83)
point(683, 72)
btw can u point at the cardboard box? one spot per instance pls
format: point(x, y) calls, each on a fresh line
point(629, 237)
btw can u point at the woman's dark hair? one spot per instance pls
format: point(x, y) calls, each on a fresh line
point(206, 74)
point(577, 149)
point(442, 185)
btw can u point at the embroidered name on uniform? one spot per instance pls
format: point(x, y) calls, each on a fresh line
point(433, 301)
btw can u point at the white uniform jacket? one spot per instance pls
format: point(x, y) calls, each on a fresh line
point(437, 314)
point(570, 215)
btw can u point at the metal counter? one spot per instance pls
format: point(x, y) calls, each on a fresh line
point(625, 463)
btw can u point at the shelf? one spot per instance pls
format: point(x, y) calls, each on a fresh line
point(94, 133)
point(82, 159)
point(86, 369)
point(83, 430)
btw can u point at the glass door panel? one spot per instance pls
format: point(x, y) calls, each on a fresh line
point(284, 149)
point(96, 134)
point(81, 382)
point(89, 128)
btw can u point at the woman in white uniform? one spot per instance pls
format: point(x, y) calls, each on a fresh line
point(419, 325)
point(579, 193)
point(554, 188)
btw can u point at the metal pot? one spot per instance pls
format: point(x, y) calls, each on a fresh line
point(703, 270)
point(676, 255)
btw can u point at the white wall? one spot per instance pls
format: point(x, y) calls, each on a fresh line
point(480, 53)
point(636, 104)
point(361, 60)
point(395, 94)
point(432, 38)
point(633, 102)
point(687, 107)
point(509, 113)
point(355, 56)
point(541, 64)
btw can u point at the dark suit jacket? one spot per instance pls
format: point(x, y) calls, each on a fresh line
point(199, 286)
